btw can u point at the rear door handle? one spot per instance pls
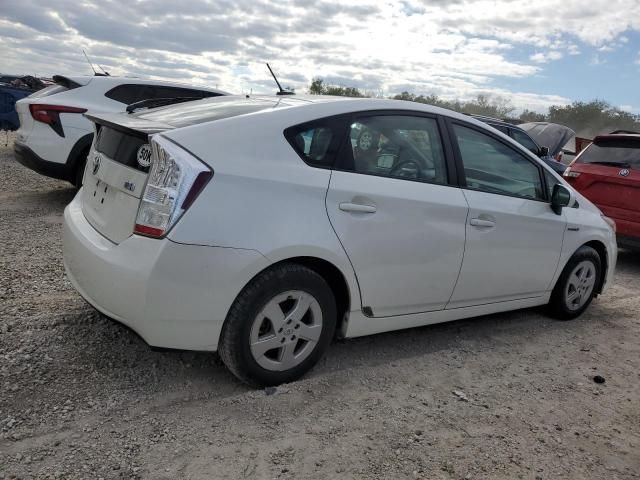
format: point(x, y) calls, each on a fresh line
point(357, 207)
point(479, 222)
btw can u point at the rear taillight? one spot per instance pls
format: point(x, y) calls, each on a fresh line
point(50, 114)
point(175, 180)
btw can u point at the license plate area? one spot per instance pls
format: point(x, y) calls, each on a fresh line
point(111, 196)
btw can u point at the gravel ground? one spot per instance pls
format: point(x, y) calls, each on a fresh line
point(504, 396)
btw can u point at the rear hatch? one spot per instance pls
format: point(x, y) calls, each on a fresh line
point(119, 160)
point(607, 172)
point(116, 173)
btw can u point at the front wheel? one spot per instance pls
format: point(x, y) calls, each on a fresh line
point(577, 284)
point(279, 326)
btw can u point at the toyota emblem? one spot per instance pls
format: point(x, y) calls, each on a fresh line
point(624, 172)
point(96, 163)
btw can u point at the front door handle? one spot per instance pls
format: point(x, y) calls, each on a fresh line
point(357, 208)
point(479, 222)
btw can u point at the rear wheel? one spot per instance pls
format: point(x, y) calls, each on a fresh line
point(279, 326)
point(576, 286)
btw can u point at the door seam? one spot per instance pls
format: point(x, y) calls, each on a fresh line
point(464, 249)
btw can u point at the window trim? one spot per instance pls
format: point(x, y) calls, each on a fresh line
point(451, 179)
point(458, 157)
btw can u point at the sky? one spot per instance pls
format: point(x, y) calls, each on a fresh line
point(535, 53)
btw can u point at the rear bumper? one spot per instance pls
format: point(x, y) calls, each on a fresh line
point(173, 295)
point(33, 161)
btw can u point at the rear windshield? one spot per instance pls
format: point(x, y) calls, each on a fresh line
point(200, 111)
point(623, 152)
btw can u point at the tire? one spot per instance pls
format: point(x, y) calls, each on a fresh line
point(567, 301)
point(80, 166)
point(297, 339)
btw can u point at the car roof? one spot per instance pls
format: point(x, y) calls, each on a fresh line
point(494, 121)
point(115, 80)
point(209, 109)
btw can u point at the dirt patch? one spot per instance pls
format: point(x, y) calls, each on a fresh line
point(504, 396)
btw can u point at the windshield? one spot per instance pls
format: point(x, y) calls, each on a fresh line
point(615, 151)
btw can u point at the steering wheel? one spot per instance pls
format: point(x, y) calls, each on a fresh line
point(402, 164)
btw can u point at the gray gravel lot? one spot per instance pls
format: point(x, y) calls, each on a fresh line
point(83, 397)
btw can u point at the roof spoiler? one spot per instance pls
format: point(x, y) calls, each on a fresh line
point(65, 82)
point(616, 132)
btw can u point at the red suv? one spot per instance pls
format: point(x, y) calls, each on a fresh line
point(607, 172)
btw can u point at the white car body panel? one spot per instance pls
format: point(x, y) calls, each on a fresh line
point(515, 258)
point(133, 282)
point(414, 240)
point(265, 205)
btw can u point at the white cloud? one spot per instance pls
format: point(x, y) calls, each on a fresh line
point(626, 108)
point(546, 57)
point(456, 49)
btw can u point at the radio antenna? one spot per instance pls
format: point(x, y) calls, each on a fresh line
point(89, 62)
point(281, 91)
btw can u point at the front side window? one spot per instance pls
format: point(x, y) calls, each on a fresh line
point(524, 140)
point(491, 166)
point(396, 146)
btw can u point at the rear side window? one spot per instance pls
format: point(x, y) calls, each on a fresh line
point(317, 142)
point(502, 128)
point(131, 93)
point(617, 152)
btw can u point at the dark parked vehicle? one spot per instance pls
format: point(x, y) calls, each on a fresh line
point(9, 95)
point(524, 139)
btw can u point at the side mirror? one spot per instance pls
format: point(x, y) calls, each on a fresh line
point(543, 152)
point(561, 197)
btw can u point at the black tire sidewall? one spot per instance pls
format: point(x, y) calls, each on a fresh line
point(558, 303)
point(252, 301)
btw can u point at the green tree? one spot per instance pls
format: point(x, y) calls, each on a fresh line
point(531, 116)
point(318, 87)
point(592, 118)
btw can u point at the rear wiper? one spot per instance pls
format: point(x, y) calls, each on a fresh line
point(157, 102)
point(613, 164)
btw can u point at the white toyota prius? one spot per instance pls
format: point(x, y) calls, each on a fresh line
point(261, 227)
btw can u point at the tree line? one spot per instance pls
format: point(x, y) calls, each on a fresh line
point(587, 119)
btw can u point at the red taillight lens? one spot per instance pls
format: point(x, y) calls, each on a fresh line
point(175, 180)
point(50, 113)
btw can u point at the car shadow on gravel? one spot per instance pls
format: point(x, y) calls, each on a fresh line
point(119, 359)
point(55, 199)
point(628, 261)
